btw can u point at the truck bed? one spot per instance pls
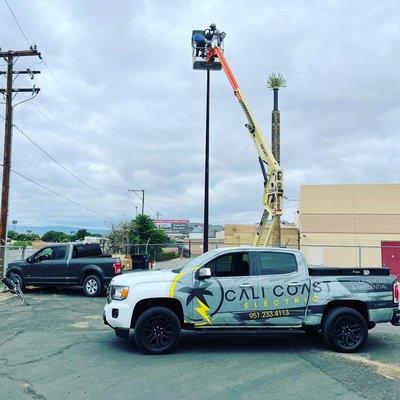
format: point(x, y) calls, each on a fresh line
point(340, 271)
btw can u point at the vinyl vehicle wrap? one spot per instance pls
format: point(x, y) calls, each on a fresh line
point(252, 288)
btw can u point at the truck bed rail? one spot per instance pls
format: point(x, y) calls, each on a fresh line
point(340, 271)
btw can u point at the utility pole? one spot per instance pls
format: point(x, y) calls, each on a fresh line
point(141, 197)
point(9, 94)
point(275, 82)
point(157, 215)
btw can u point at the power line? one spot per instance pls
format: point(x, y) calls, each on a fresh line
point(19, 25)
point(66, 95)
point(65, 168)
point(56, 193)
point(57, 162)
point(72, 142)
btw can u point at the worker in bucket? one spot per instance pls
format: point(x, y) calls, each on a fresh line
point(200, 43)
point(217, 38)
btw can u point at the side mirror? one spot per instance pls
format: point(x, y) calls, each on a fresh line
point(29, 260)
point(205, 273)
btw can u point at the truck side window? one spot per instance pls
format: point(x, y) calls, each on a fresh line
point(274, 263)
point(59, 252)
point(44, 254)
point(86, 250)
point(235, 264)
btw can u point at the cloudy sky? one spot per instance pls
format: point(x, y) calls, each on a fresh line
point(120, 106)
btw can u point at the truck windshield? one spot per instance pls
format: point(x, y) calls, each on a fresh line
point(196, 261)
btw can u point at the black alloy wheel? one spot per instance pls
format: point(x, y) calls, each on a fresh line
point(345, 330)
point(157, 330)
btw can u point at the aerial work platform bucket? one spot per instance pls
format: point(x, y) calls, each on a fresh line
point(199, 54)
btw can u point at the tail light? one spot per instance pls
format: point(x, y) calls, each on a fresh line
point(396, 290)
point(118, 267)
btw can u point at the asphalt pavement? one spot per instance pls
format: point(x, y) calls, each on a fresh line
point(58, 348)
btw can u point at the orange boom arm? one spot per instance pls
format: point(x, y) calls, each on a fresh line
point(273, 177)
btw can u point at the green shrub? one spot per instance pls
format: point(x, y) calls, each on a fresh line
point(167, 256)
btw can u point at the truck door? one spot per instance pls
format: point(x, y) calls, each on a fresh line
point(223, 298)
point(35, 271)
point(55, 269)
point(283, 288)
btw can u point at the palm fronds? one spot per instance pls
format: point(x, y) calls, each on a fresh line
point(276, 81)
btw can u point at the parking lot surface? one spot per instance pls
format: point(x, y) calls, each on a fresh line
point(58, 348)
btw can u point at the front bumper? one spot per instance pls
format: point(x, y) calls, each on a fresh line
point(118, 314)
point(396, 318)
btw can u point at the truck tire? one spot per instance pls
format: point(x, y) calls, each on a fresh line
point(157, 331)
point(345, 330)
point(92, 286)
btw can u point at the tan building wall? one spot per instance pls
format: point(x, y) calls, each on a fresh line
point(196, 245)
point(244, 234)
point(344, 225)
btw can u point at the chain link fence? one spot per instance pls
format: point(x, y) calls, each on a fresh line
point(327, 255)
point(353, 256)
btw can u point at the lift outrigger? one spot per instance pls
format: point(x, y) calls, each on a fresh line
point(210, 55)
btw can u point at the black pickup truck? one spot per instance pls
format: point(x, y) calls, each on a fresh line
point(67, 264)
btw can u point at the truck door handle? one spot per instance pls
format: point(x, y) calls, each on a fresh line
point(245, 285)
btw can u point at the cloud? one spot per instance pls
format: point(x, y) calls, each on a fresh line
point(126, 66)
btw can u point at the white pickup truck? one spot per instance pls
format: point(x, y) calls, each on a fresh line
point(251, 288)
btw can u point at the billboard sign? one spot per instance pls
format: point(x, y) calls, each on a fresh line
point(173, 225)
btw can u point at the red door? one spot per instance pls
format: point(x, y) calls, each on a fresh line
point(390, 252)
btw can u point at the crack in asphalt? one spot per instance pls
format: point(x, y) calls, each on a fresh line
point(51, 355)
point(26, 387)
point(13, 336)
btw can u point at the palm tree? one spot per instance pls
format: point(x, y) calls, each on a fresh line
point(275, 82)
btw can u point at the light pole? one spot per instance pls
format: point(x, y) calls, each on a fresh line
point(206, 167)
point(275, 82)
point(201, 41)
point(14, 223)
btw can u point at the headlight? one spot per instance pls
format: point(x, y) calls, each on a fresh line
point(119, 292)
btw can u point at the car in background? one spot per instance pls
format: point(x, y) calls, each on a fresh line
point(67, 264)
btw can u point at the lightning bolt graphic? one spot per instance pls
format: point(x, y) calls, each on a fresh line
point(202, 310)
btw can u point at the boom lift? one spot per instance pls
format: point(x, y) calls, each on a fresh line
point(211, 56)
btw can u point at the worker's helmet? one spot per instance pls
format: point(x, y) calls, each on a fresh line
point(213, 27)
